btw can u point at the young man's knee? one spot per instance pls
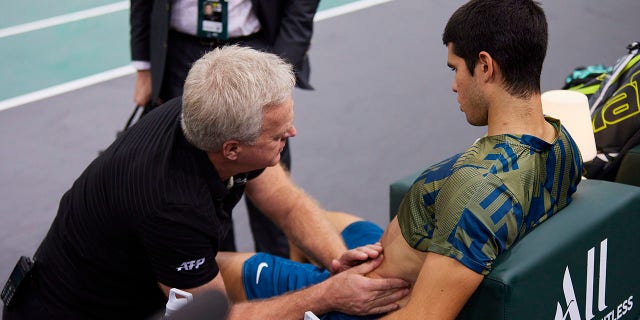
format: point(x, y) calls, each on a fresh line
point(342, 220)
point(230, 265)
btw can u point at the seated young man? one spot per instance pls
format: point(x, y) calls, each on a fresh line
point(463, 212)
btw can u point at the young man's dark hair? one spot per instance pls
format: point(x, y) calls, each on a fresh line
point(496, 26)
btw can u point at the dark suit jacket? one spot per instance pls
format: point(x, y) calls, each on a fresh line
point(287, 27)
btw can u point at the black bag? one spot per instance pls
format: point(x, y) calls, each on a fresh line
point(615, 113)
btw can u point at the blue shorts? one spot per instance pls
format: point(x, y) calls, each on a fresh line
point(265, 275)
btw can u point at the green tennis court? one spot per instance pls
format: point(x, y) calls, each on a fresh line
point(48, 55)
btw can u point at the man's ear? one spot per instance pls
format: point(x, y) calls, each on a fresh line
point(230, 149)
point(488, 66)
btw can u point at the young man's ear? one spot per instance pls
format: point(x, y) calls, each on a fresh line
point(230, 149)
point(487, 65)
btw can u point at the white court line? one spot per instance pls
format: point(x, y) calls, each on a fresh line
point(66, 87)
point(347, 8)
point(127, 70)
point(58, 20)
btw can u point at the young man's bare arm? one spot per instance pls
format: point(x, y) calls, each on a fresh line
point(441, 290)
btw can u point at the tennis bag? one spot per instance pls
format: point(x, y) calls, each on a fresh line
point(614, 101)
point(587, 79)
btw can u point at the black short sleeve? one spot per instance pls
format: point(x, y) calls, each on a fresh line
point(181, 242)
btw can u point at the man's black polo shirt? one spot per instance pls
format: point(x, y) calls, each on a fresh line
point(150, 209)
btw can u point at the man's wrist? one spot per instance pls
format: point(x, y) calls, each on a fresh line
point(321, 299)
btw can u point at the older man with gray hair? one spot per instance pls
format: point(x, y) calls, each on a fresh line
point(150, 212)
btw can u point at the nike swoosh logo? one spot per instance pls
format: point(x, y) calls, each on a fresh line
point(260, 266)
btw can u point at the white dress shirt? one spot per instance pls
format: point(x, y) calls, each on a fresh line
point(184, 18)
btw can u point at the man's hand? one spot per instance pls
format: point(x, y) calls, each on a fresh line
point(355, 257)
point(352, 293)
point(142, 90)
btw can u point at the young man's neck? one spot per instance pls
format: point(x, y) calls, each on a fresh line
point(514, 115)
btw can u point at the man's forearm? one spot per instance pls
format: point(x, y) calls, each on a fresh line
point(314, 233)
point(292, 305)
point(299, 216)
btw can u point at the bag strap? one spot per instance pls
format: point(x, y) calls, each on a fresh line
point(136, 110)
point(633, 48)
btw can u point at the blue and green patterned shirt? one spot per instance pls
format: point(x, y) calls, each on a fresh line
point(477, 204)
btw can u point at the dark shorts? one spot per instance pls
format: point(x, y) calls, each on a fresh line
point(265, 275)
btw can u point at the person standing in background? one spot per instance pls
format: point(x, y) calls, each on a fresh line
point(167, 36)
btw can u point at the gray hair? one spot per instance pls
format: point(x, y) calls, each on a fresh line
point(225, 94)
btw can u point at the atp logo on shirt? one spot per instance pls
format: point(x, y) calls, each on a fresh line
point(190, 265)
